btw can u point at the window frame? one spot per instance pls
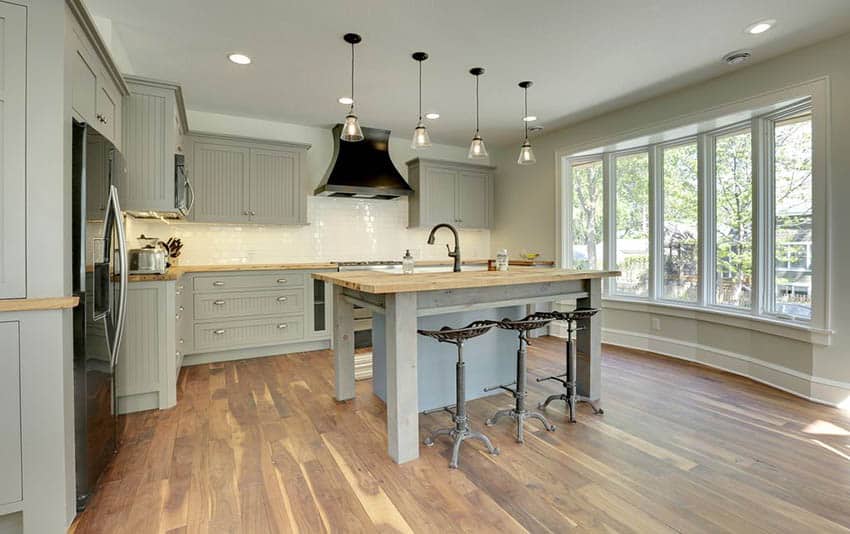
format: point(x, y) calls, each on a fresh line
point(761, 130)
point(568, 207)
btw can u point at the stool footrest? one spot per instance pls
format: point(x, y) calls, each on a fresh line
point(506, 387)
point(556, 378)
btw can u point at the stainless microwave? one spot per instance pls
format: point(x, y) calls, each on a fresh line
point(184, 195)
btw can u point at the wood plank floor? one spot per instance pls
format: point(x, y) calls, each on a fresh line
point(260, 446)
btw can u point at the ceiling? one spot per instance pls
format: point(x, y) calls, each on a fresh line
point(585, 57)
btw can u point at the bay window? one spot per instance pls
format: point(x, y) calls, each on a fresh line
point(722, 218)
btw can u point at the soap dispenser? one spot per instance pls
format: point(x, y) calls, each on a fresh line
point(407, 263)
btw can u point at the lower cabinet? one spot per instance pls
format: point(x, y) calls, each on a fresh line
point(146, 370)
point(11, 490)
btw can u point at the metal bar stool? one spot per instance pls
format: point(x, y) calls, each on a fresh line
point(519, 413)
point(460, 431)
point(569, 379)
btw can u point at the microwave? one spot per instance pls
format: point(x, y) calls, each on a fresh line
point(184, 196)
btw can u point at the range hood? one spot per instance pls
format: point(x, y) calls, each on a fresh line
point(363, 169)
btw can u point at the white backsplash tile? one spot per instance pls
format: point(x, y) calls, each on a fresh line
point(340, 229)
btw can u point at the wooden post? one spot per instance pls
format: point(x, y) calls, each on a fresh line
point(402, 381)
point(343, 339)
point(589, 339)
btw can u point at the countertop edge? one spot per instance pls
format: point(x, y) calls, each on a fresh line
point(38, 304)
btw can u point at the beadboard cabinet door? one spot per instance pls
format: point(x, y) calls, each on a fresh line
point(274, 190)
point(473, 206)
point(10, 411)
point(440, 201)
point(221, 177)
point(460, 194)
point(13, 51)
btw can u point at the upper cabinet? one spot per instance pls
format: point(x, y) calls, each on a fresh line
point(153, 128)
point(460, 194)
point(13, 128)
point(247, 180)
point(97, 88)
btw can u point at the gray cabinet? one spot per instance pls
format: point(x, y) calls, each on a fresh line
point(153, 125)
point(11, 490)
point(95, 96)
point(13, 50)
point(146, 370)
point(247, 181)
point(460, 194)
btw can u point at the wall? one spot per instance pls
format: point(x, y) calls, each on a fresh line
point(338, 229)
point(821, 372)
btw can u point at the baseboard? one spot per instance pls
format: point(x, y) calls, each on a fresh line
point(256, 352)
point(139, 402)
point(816, 389)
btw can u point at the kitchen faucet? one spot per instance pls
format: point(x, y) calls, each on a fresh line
point(452, 253)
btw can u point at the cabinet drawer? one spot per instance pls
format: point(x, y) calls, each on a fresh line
point(228, 281)
point(248, 333)
point(221, 305)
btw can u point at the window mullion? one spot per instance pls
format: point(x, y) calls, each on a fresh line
point(567, 229)
point(656, 225)
point(609, 223)
point(706, 230)
point(761, 226)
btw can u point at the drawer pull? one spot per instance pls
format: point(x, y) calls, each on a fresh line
point(281, 299)
point(282, 326)
point(177, 316)
point(281, 280)
point(218, 283)
point(181, 340)
point(180, 308)
point(180, 287)
point(219, 303)
point(218, 332)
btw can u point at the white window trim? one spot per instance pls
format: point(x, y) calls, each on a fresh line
point(758, 109)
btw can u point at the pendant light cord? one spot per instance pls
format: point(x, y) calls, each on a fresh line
point(476, 104)
point(351, 109)
point(420, 90)
point(525, 116)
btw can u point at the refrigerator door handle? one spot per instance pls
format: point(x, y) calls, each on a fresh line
point(115, 206)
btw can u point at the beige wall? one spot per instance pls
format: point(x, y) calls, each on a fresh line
point(525, 218)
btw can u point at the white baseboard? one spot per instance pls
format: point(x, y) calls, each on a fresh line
point(817, 389)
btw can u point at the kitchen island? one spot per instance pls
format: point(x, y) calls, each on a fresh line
point(406, 301)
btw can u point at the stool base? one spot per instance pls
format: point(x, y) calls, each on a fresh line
point(520, 417)
point(459, 436)
point(571, 404)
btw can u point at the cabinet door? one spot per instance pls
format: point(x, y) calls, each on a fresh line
point(84, 83)
point(220, 175)
point(473, 204)
point(107, 105)
point(274, 187)
point(10, 411)
point(439, 196)
point(150, 162)
point(13, 55)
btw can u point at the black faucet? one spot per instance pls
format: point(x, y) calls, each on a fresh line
point(452, 253)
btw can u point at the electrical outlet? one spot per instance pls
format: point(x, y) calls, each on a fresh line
point(656, 324)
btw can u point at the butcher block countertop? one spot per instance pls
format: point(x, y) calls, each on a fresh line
point(381, 283)
point(173, 273)
point(52, 303)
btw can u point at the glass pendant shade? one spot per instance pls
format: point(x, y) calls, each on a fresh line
point(477, 149)
point(351, 128)
point(526, 154)
point(421, 139)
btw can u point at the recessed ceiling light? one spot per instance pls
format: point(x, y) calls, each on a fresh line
point(347, 100)
point(432, 116)
point(737, 57)
point(760, 26)
point(529, 118)
point(239, 59)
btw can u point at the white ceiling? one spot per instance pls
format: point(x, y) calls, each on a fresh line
point(584, 56)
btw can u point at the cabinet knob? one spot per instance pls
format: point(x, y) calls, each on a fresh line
point(177, 316)
point(281, 326)
point(219, 303)
point(181, 341)
point(252, 213)
point(177, 353)
point(218, 332)
point(281, 280)
point(245, 212)
point(218, 283)
point(180, 308)
point(281, 299)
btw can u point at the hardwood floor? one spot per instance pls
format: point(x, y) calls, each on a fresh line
point(261, 446)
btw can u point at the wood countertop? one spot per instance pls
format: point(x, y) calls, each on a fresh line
point(52, 303)
point(381, 283)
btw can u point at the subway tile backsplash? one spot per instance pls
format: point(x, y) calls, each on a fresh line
point(340, 229)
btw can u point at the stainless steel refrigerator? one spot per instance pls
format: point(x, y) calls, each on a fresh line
point(100, 281)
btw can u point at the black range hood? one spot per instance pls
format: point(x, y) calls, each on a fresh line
point(363, 169)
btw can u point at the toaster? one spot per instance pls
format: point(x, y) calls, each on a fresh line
point(147, 260)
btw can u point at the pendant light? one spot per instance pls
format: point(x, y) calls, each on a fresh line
point(477, 150)
point(421, 139)
point(526, 154)
point(351, 128)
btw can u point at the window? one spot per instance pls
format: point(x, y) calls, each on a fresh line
point(724, 215)
point(631, 175)
point(587, 215)
point(792, 216)
point(680, 246)
point(733, 216)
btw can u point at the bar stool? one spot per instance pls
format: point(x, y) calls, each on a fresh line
point(460, 431)
point(569, 379)
point(519, 413)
